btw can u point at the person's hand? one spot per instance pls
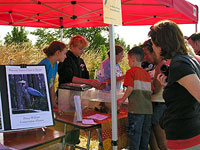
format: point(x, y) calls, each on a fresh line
point(102, 86)
point(119, 103)
point(121, 77)
point(108, 81)
point(95, 83)
point(162, 79)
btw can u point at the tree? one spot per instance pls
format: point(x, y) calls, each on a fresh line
point(92, 34)
point(18, 35)
point(121, 42)
point(46, 36)
point(97, 37)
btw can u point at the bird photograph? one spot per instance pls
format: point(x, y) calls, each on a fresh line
point(28, 93)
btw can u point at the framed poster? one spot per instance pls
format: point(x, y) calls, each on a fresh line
point(24, 98)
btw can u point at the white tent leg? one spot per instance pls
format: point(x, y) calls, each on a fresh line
point(196, 27)
point(113, 87)
point(61, 34)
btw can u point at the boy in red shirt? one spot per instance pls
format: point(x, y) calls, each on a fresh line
point(138, 92)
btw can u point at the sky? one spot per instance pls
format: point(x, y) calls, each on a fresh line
point(130, 34)
point(138, 34)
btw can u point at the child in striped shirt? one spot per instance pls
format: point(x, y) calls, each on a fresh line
point(138, 92)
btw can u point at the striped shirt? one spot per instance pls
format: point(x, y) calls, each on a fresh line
point(140, 98)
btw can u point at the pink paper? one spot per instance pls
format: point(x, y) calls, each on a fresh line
point(88, 121)
point(98, 117)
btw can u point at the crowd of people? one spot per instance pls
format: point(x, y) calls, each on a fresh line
point(163, 108)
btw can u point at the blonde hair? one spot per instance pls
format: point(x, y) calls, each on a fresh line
point(78, 40)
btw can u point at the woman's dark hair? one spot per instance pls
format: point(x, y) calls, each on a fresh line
point(118, 49)
point(167, 35)
point(148, 45)
point(53, 47)
point(137, 52)
point(195, 37)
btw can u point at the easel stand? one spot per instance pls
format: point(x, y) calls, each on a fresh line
point(43, 130)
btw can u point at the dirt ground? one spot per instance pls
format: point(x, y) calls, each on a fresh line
point(83, 138)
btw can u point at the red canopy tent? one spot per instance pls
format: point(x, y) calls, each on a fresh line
point(89, 13)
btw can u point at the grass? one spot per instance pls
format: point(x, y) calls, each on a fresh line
point(83, 136)
point(20, 55)
point(30, 55)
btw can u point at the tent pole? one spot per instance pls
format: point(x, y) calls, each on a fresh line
point(196, 29)
point(196, 25)
point(61, 29)
point(113, 87)
point(61, 34)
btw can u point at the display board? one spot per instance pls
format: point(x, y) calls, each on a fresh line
point(24, 98)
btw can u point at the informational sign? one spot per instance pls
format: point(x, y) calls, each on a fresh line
point(24, 98)
point(112, 12)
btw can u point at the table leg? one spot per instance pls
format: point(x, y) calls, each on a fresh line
point(88, 142)
point(99, 131)
point(65, 129)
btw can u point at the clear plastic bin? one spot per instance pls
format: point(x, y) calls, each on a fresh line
point(99, 95)
point(99, 100)
point(66, 93)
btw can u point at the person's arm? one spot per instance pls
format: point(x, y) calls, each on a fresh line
point(53, 97)
point(93, 82)
point(125, 96)
point(118, 79)
point(192, 84)
point(156, 84)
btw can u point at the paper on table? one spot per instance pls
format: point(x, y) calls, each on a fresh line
point(98, 117)
point(77, 102)
point(88, 121)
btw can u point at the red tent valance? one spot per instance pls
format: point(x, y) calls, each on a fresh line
point(89, 13)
